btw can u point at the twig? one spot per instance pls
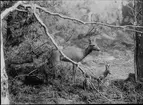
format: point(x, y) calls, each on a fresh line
point(69, 38)
point(22, 75)
point(132, 9)
point(31, 71)
point(101, 93)
point(41, 45)
point(138, 93)
point(20, 10)
point(132, 26)
point(139, 12)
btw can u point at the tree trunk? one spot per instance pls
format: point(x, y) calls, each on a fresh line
point(138, 58)
point(4, 77)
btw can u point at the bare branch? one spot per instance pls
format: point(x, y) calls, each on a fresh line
point(90, 29)
point(133, 26)
point(20, 10)
point(132, 9)
point(139, 11)
point(82, 22)
point(69, 38)
point(4, 13)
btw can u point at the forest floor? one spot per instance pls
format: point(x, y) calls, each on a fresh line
point(62, 92)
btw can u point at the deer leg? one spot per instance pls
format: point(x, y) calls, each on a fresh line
point(74, 72)
point(84, 84)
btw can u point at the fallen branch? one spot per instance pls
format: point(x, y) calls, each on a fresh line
point(23, 75)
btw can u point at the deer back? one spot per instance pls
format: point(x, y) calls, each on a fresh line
point(74, 53)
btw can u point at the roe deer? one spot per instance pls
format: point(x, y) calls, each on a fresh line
point(105, 73)
point(74, 53)
point(102, 77)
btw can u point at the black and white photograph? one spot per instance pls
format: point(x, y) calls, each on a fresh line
point(71, 52)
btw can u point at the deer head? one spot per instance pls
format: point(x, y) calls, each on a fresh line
point(91, 47)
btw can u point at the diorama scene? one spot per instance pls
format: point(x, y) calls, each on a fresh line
point(70, 51)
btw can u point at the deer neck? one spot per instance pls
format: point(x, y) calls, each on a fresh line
point(87, 51)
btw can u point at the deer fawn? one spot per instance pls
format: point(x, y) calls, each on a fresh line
point(105, 73)
point(101, 79)
point(74, 53)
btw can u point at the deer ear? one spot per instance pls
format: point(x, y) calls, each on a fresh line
point(108, 65)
